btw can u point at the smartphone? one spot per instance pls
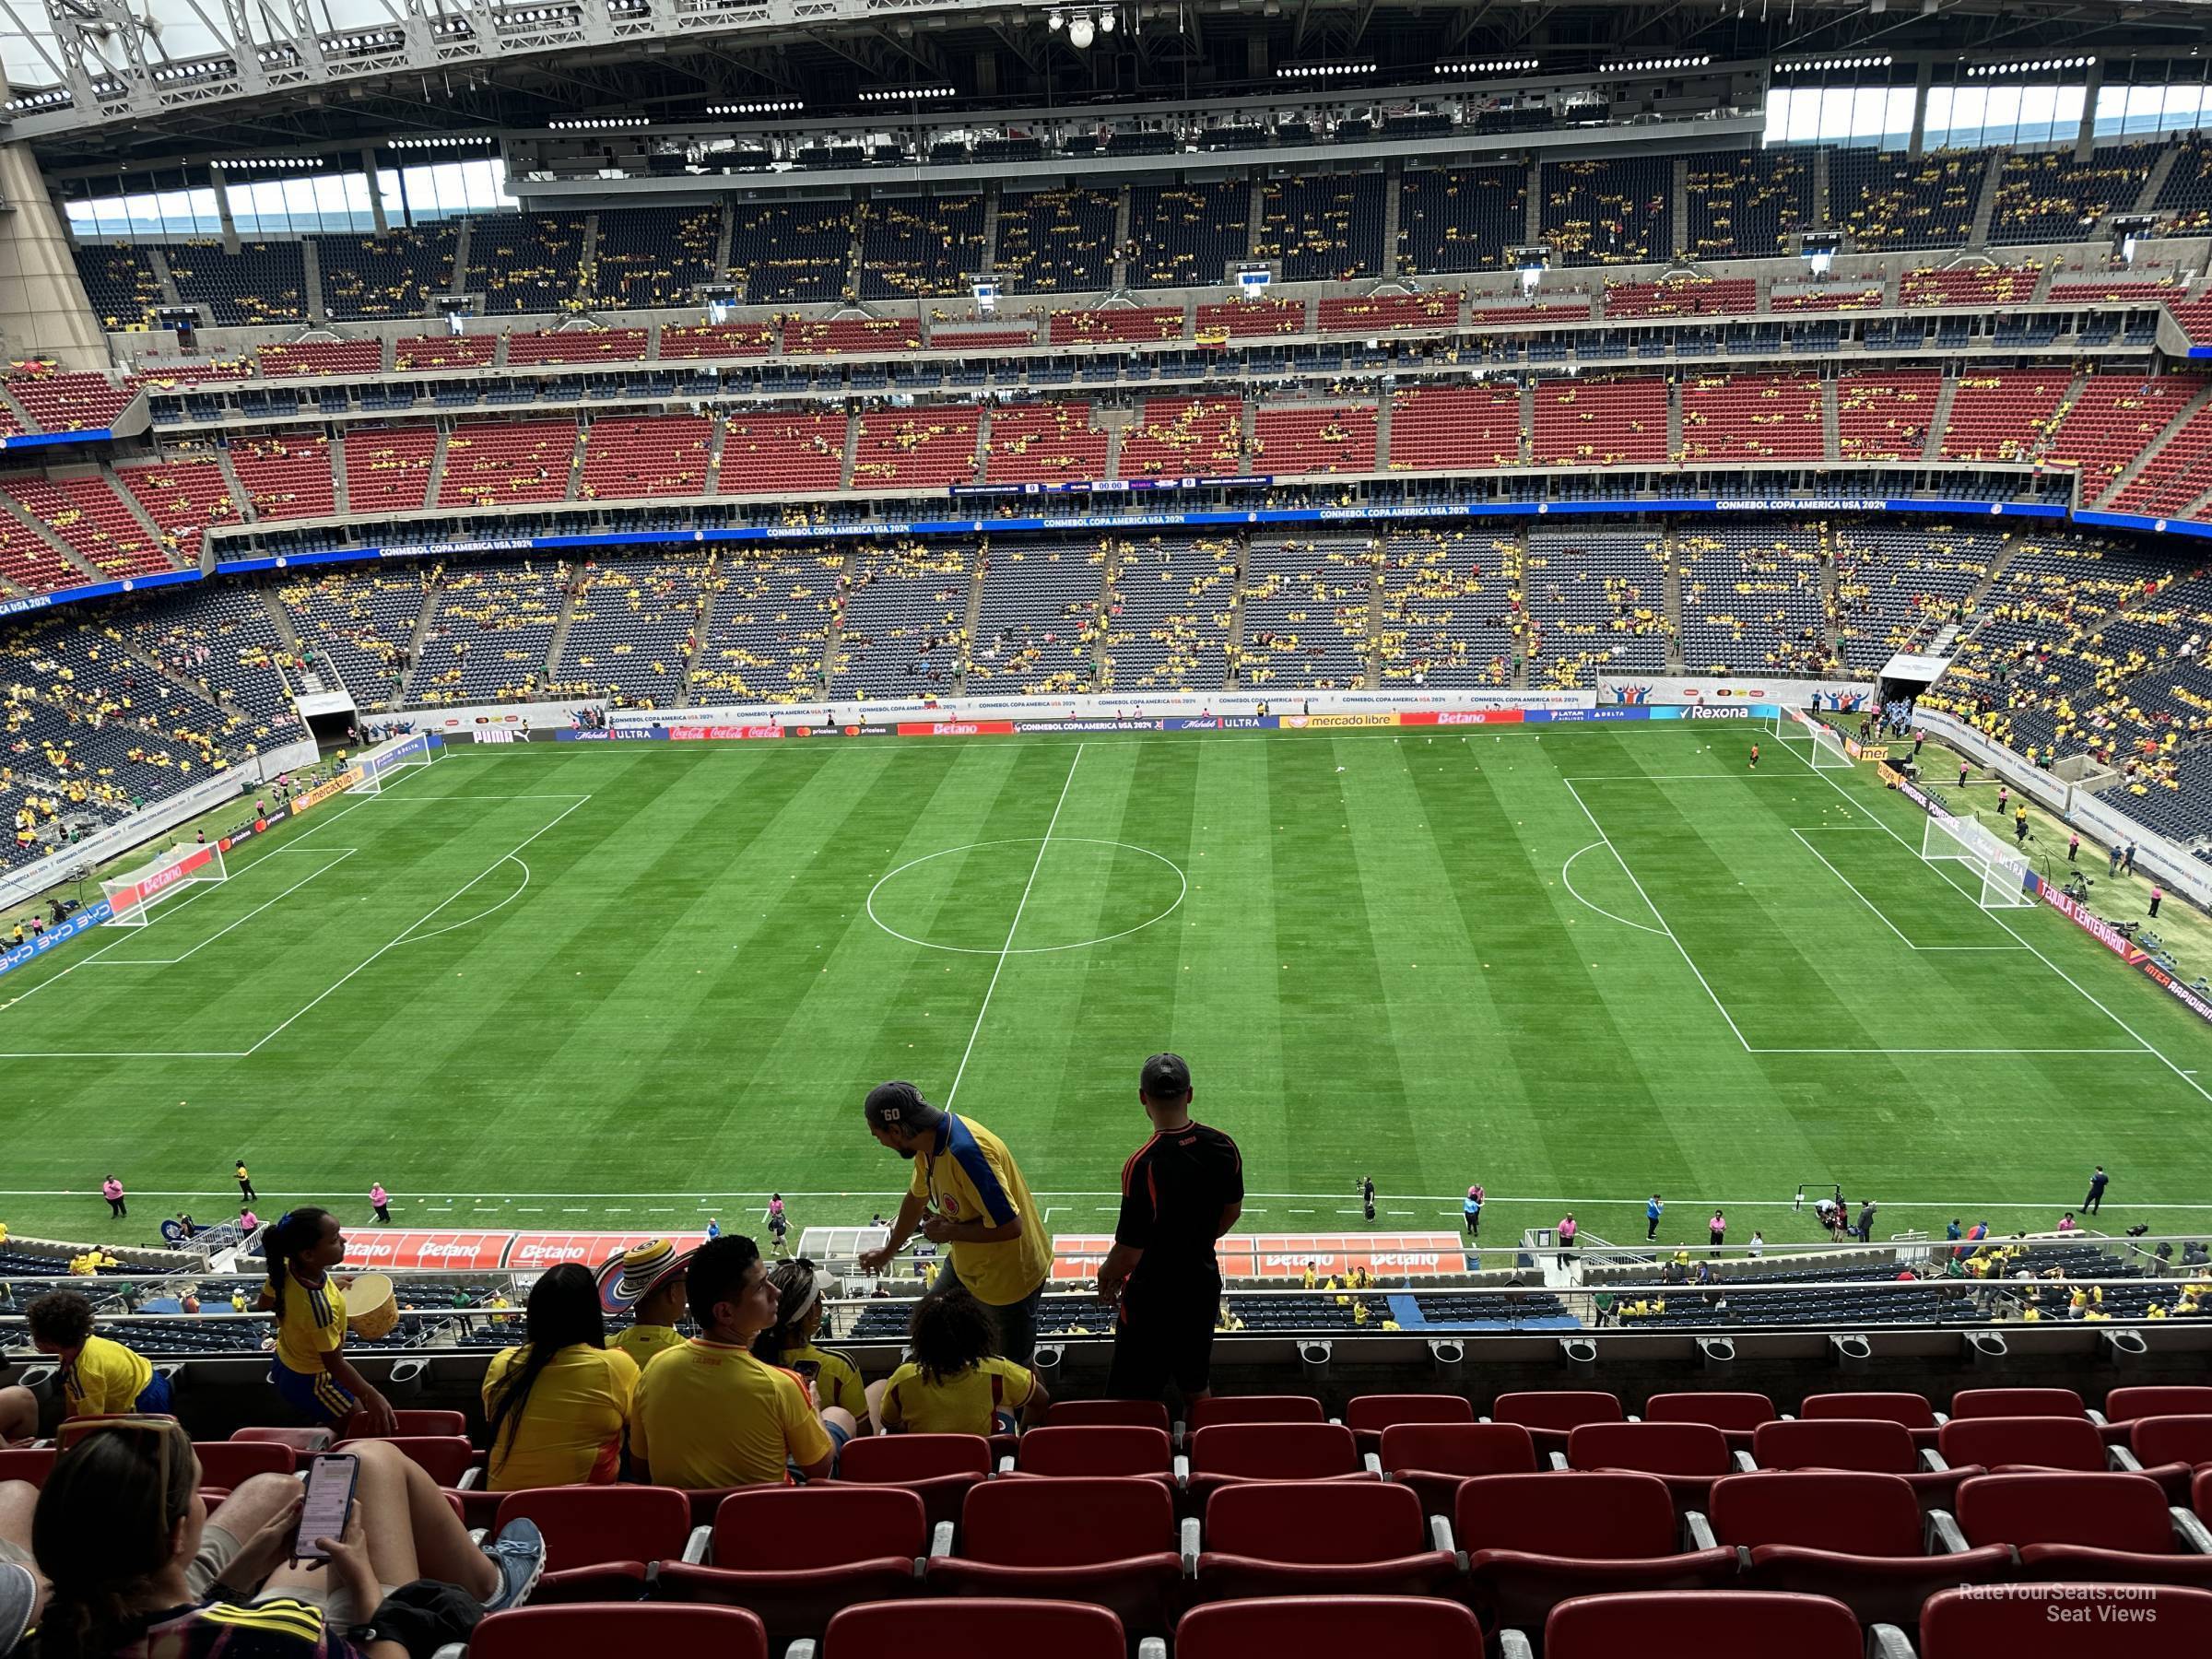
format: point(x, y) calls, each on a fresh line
point(330, 1481)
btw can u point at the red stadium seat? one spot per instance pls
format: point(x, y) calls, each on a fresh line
point(599, 1539)
point(1912, 1410)
point(1688, 1456)
point(1368, 1416)
point(1254, 1409)
point(2063, 1622)
point(1107, 1450)
point(1060, 1629)
point(1233, 1451)
point(229, 1463)
point(2035, 1442)
point(2114, 1528)
point(1110, 1414)
point(304, 1443)
point(27, 1463)
point(592, 1631)
point(2125, 1405)
point(1868, 1445)
point(447, 1457)
point(940, 1467)
point(1108, 1542)
point(1534, 1540)
point(1434, 1458)
point(2171, 1440)
point(1328, 1627)
point(1550, 1415)
point(1699, 1625)
point(1320, 1539)
point(795, 1555)
point(429, 1422)
point(1738, 1415)
point(1855, 1537)
point(2200, 1496)
point(2015, 1403)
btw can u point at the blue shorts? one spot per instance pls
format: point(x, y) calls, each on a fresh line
point(318, 1395)
point(840, 1436)
point(156, 1400)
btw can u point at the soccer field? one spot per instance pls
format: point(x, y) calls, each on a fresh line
point(637, 984)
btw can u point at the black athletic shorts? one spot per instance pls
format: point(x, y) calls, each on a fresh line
point(1162, 1338)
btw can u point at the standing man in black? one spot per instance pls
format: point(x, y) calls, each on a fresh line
point(1180, 1191)
point(1367, 1195)
point(2094, 1202)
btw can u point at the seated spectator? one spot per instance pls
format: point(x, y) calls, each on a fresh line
point(648, 1278)
point(557, 1406)
point(957, 1382)
point(136, 1566)
point(708, 1414)
point(790, 1341)
point(99, 1377)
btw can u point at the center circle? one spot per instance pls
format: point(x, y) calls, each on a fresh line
point(970, 896)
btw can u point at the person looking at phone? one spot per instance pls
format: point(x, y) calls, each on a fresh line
point(310, 1368)
point(790, 1342)
point(137, 1566)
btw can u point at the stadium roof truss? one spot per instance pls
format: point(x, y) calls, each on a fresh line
point(255, 66)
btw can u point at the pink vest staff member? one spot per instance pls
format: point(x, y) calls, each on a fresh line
point(1567, 1231)
point(310, 1368)
point(379, 1201)
point(112, 1189)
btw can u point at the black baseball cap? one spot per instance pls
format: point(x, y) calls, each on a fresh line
point(892, 1103)
point(1165, 1077)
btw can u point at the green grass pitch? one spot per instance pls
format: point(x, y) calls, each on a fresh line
point(601, 985)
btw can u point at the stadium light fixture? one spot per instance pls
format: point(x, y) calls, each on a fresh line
point(1823, 65)
point(437, 141)
point(771, 106)
point(2037, 67)
point(53, 98)
point(597, 123)
point(1081, 31)
point(907, 94)
point(1643, 64)
point(1321, 71)
point(1476, 71)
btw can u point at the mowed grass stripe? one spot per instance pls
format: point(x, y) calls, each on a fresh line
point(1340, 1071)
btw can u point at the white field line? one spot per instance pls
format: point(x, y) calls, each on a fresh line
point(343, 854)
point(2188, 1077)
point(1655, 915)
point(1601, 910)
point(1877, 908)
point(403, 939)
point(953, 1093)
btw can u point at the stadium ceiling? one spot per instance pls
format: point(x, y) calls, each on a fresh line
point(102, 81)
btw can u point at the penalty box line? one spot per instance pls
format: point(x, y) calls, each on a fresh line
point(404, 937)
point(1748, 1047)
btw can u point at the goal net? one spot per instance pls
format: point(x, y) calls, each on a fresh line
point(1813, 743)
point(132, 896)
point(1998, 873)
point(380, 767)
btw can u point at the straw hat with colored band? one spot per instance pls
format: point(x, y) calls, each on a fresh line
point(629, 1278)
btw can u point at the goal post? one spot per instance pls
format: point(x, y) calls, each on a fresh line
point(1997, 874)
point(132, 896)
point(381, 766)
point(1812, 742)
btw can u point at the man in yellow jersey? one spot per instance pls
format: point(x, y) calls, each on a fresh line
point(708, 1413)
point(648, 1282)
point(966, 1195)
point(99, 1378)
